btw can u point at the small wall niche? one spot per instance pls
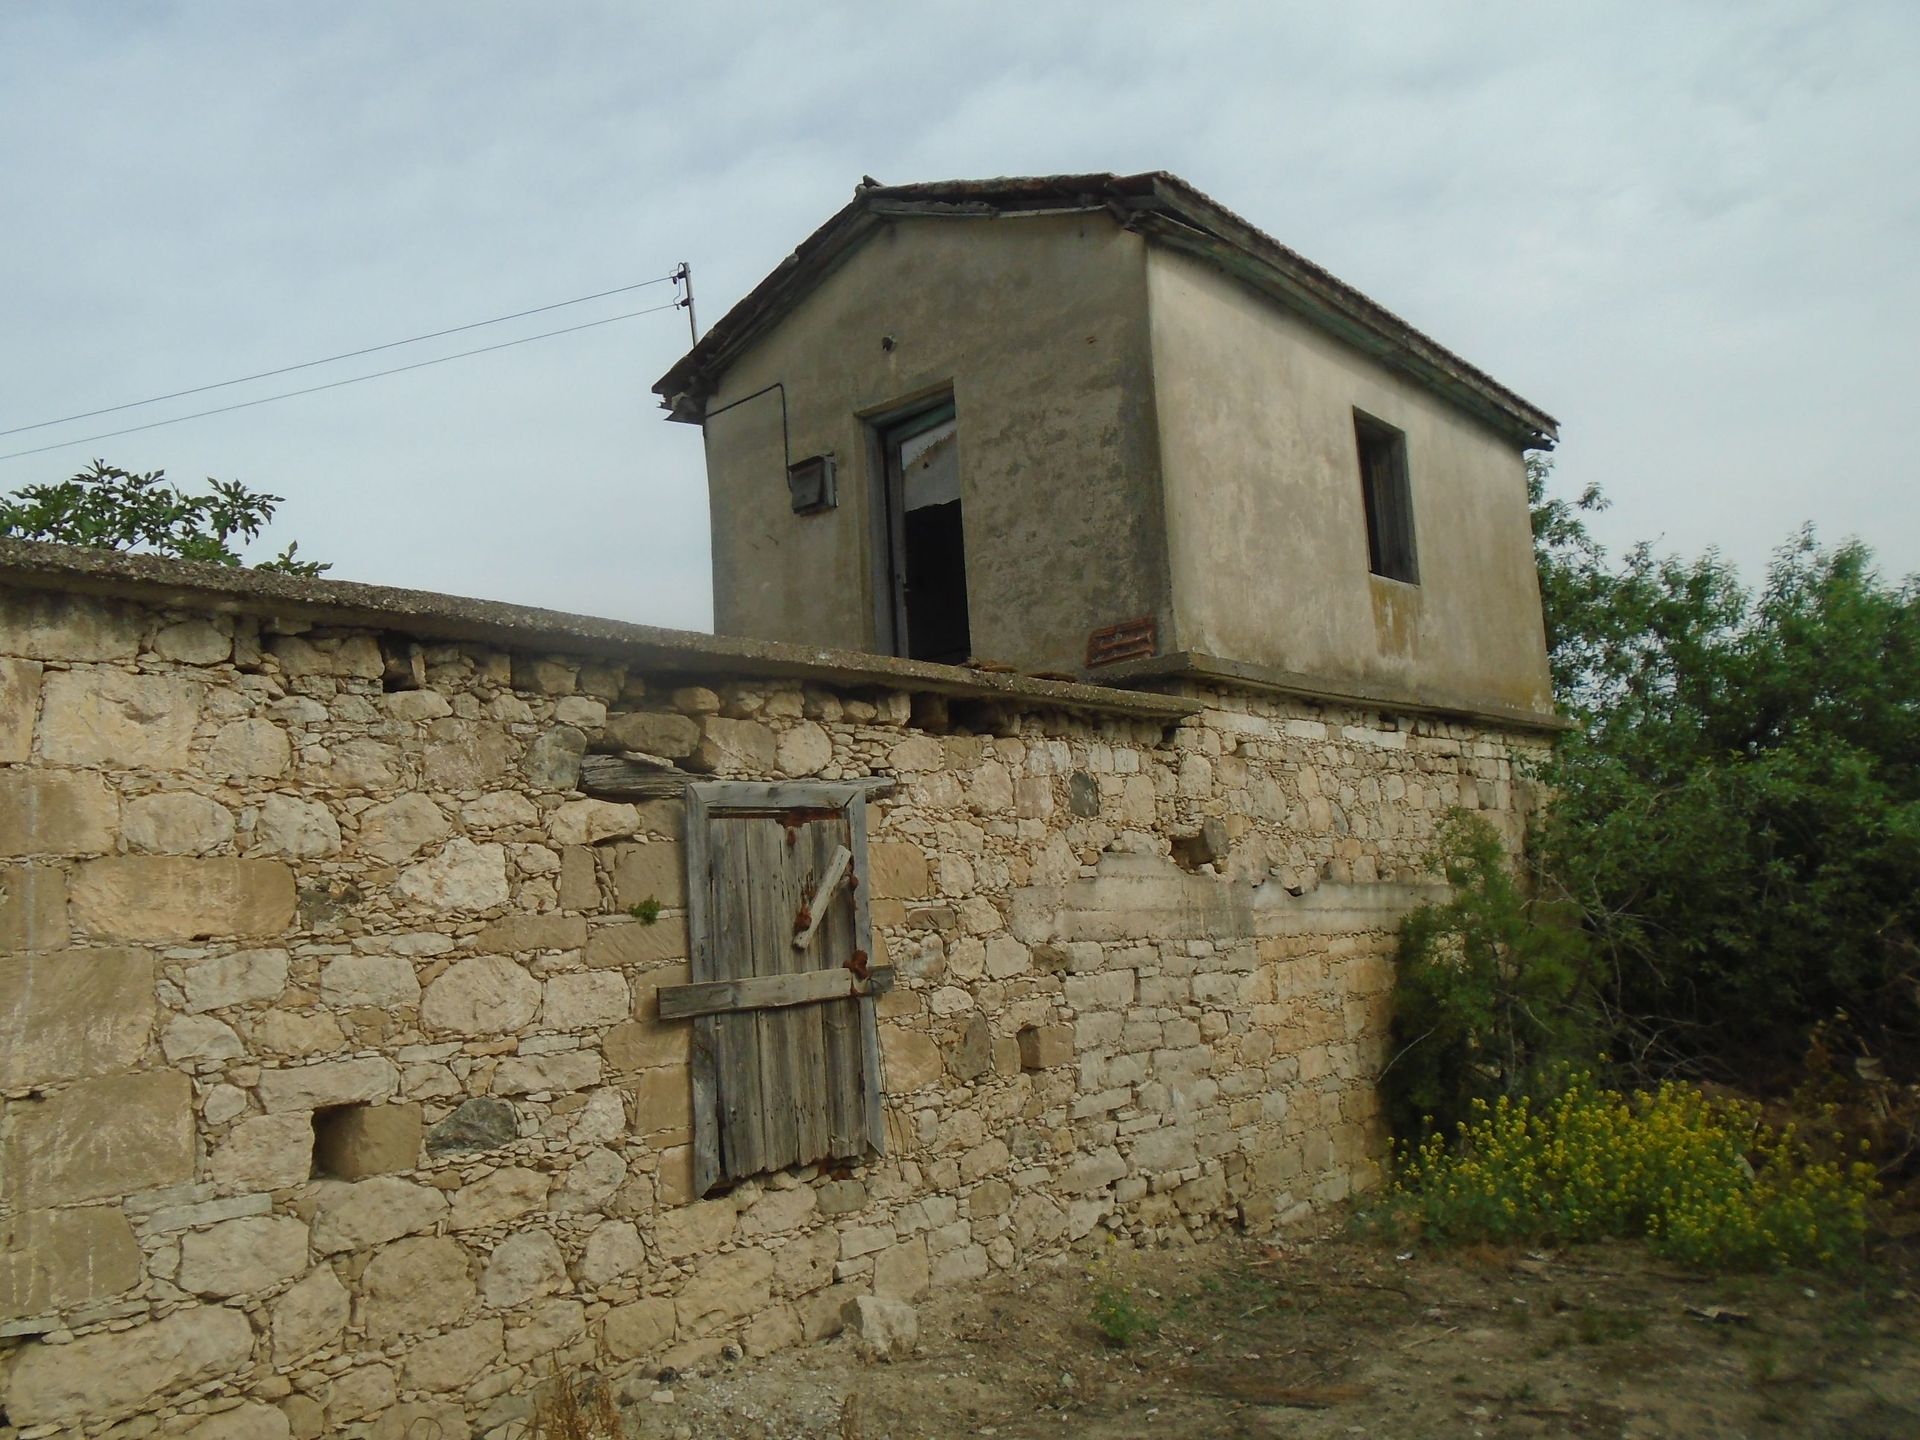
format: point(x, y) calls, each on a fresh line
point(351, 1142)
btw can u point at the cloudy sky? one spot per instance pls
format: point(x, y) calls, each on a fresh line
point(1689, 231)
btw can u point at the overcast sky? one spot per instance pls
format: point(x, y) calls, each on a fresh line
point(1691, 232)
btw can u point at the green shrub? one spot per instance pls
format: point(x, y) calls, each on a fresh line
point(1705, 1180)
point(1490, 993)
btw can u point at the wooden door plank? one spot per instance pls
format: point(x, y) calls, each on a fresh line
point(818, 957)
point(872, 1096)
point(840, 1026)
point(742, 1131)
point(704, 1063)
point(771, 905)
point(769, 992)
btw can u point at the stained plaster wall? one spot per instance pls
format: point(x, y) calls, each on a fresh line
point(243, 880)
point(1037, 326)
point(1266, 529)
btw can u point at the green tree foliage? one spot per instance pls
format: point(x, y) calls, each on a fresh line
point(107, 508)
point(1492, 994)
point(1738, 817)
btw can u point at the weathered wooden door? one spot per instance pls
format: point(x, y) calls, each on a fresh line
point(785, 1050)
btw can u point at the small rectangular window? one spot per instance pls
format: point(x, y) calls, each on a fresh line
point(1388, 498)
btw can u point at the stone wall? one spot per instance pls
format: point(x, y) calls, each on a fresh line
point(333, 1095)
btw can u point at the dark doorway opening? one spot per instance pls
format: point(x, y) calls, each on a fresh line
point(927, 553)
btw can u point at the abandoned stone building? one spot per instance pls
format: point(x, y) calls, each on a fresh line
point(403, 996)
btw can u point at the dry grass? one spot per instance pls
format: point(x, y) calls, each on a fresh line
point(574, 1408)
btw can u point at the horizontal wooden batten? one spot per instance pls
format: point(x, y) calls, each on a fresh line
point(769, 992)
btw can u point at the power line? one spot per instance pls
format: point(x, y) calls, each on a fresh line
point(335, 385)
point(344, 355)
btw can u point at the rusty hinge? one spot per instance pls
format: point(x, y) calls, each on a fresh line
point(1129, 640)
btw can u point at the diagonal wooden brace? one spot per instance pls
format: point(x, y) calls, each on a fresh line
point(808, 920)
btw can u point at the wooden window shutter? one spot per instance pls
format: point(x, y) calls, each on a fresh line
point(786, 1054)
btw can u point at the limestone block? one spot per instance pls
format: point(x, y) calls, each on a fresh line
point(356, 1141)
point(55, 1259)
point(65, 1014)
point(415, 1285)
point(776, 1212)
point(555, 1325)
point(248, 750)
point(1043, 1047)
point(553, 759)
point(387, 981)
point(584, 1001)
point(654, 733)
point(741, 747)
point(117, 719)
point(500, 810)
point(104, 1137)
point(898, 870)
point(264, 1152)
point(355, 656)
point(154, 897)
point(525, 934)
point(462, 876)
point(194, 642)
point(645, 1327)
point(416, 704)
point(304, 829)
point(498, 1198)
point(481, 1123)
point(309, 1315)
point(805, 1263)
point(663, 1104)
point(398, 829)
point(358, 1214)
point(1093, 1172)
point(654, 871)
point(252, 1420)
point(19, 704)
point(467, 755)
point(694, 1229)
point(582, 822)
point(900, 1271)
point(806, 749)
point(724, 1289)
point(126, 1372)
point(53, 625)
point(481, 995)
point(454, 1360)
point(331, 1082)
point(46, 812)
point(579, 879)
point(364, 1391)
point(629, 942)
point(524, 1266)
point(1006, 957)
point(644, 1044)
point(589, 1182)
point(33, 908)
point(237, 979)
point(911, 1058)
point(613, 1249)
point(176, 824)
point(199, 1037)
point(238, 1257)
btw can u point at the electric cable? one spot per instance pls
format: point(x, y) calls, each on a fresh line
point(344, 355)
point(336, 384)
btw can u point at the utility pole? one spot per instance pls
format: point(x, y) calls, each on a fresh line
point(684, 276)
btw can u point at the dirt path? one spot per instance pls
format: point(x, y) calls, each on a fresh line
point(1333, 1337)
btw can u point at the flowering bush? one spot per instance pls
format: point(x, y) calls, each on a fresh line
point(1704, 1179)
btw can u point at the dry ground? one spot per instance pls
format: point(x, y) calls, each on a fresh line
point(1336, 1336)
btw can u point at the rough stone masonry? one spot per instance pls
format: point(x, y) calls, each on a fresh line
point(334, 1093)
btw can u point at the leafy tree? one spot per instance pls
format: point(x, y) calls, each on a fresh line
point(1493, 992)
point(107, 508)
point(1738, 817)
